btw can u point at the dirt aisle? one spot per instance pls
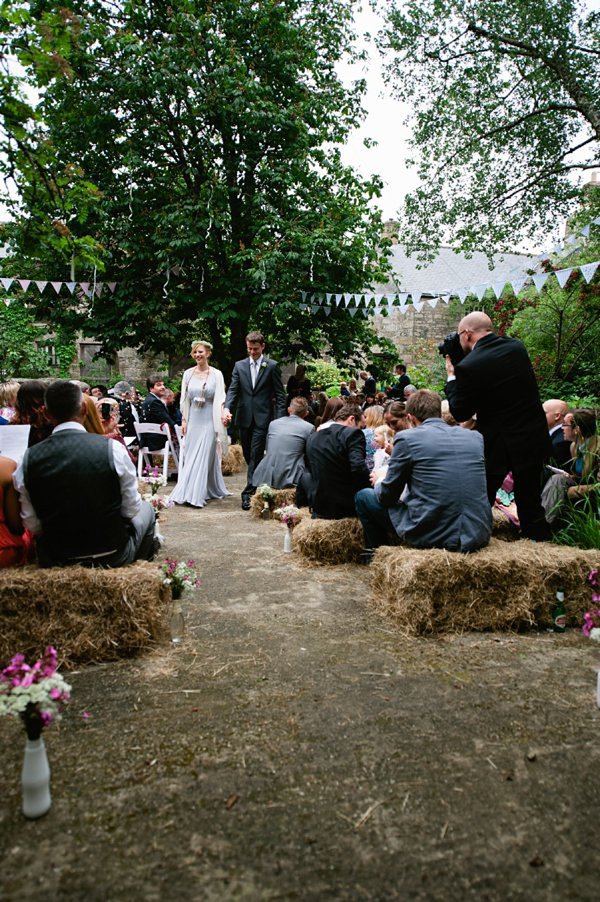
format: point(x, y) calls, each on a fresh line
point(295, 747)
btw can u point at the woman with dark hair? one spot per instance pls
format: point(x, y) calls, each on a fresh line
point(579, 427)
point(331, 408)
point(30, 411)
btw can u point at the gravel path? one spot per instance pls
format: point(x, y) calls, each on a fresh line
point(296, 747)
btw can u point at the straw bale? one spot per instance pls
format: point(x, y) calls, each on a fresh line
point(88, 614)
point(330, 541)
point(282, 497)
point(508, 585)
point(502, 528)
point(233, 462)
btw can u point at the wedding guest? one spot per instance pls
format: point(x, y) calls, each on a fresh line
point(15, 541)
point(99, 391)
point(284, 461)
point(92, 422)
point(8, 398)
point(30, 411)
point(373, 418)
point(331, 408)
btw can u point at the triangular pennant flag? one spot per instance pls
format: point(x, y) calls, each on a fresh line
point(352, 311)
point(347, 299)
point(462, 294)
point(402, 298)
point(40, 286)
point(480, 290)
point(416, 297)
point(24, 283)
point(7, 283)
point(327, 309)
point(517, 284)
point(85, 287)
point(99, 288)
point(433, 302)
point(540, 280)
point(588, 270)
point(57, 286)
point(315, 308)
point(418, 305)
point(303, 306)
point(571, 239)
point(303, 293)
point(333, 298)
point(585, 231)
point(596, 221)
point(498, 288)
point(111, 286)
point(563, 275)
point(71, 286)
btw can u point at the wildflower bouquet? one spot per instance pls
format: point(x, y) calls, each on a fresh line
point(289, 515)
point(265, 492)
point(591, 625)
point(180, 575)
point(34, 693)
point(154, 478)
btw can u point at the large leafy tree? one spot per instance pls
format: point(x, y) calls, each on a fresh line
point(199, 144)
point(505, 108)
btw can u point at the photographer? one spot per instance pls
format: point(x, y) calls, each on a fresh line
point(495, 381)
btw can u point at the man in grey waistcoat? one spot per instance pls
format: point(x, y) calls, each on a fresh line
point(434, 492)
point(78, 492)
point(284, 463)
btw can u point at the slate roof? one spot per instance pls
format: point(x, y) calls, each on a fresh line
point(451, 270)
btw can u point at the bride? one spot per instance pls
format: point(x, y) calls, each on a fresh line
point(202, 399)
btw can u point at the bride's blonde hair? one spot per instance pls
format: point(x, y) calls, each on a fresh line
point(201, 343)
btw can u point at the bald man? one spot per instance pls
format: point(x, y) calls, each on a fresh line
point(495, 380)
point(555, 411)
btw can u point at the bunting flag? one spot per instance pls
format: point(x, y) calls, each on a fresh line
point(588, 270)
point(6, 283)
point(352, 311)
point(462, 294)
point(539, 280)
point(111, 287)
point(315, 308)
point(498, 288)
point(57, 286)
point(480, 290)
point(416, 297)
point(517, 284)
point(71, 286)
point(99, 288)
point(40, 286)
point(433, 302)
point(85, 287)
point(418, 305)
point(562, 276)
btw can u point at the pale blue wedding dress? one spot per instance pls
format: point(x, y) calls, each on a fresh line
point(200, 479)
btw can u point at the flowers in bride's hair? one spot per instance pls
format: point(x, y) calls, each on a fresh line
point(154, 478)
point(35, 693)
point(289, 515)
point(265, 492)
point(180, 575)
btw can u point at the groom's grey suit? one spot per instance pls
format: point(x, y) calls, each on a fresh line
point(255, 407)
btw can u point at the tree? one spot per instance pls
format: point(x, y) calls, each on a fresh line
point(203, 136)
point(505, 101)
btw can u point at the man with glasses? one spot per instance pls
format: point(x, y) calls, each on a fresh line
point(495, 381)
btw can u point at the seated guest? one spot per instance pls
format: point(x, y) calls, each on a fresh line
point(298, 385)
point(172, 402)
point(91, 421)
point(556, 411)
point(128, 415)
point(344, 391)
point(30, 411)
point(383, 440)
point(332, 405)
point(15, 541)
point(154, 410)
point(409, 390)
point(78, 492)
point(283, 463)
point(579, 428)
point(434, 492)
point(373, 419)
point(8, 398)
point(394, 416)
point(336, 467)
point(99, 391)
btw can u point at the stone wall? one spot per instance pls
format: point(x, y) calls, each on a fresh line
point(413, 329)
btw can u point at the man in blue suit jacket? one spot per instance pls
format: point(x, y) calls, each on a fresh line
point(256, 392)
point(434, 492)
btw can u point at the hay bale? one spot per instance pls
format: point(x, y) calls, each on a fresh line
point(282, 497)
point(502, 528)
point(233, 462)
point(503, 586)
point(88, 614)
point(330, 541)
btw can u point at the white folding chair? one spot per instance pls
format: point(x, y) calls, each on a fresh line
point(181, 441)
point(145, 453)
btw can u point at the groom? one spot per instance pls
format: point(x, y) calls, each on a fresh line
point(255, 388)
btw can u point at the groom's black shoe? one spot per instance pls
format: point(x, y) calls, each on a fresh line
point(245, 503)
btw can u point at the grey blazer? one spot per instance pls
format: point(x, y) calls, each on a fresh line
point(445, 504)
point(284, 462)
point(256, 404)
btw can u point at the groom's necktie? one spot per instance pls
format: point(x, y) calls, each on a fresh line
point(253, 371)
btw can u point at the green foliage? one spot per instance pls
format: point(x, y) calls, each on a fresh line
point(19, 354)
point(581, 525)
point(428, 369)
point(324, 376)
point(501, 95)
point(199, 141)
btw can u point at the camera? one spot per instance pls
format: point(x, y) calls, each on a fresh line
point(450, 347)
point(105, 411)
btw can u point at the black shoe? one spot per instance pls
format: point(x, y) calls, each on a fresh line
point(246, 503)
